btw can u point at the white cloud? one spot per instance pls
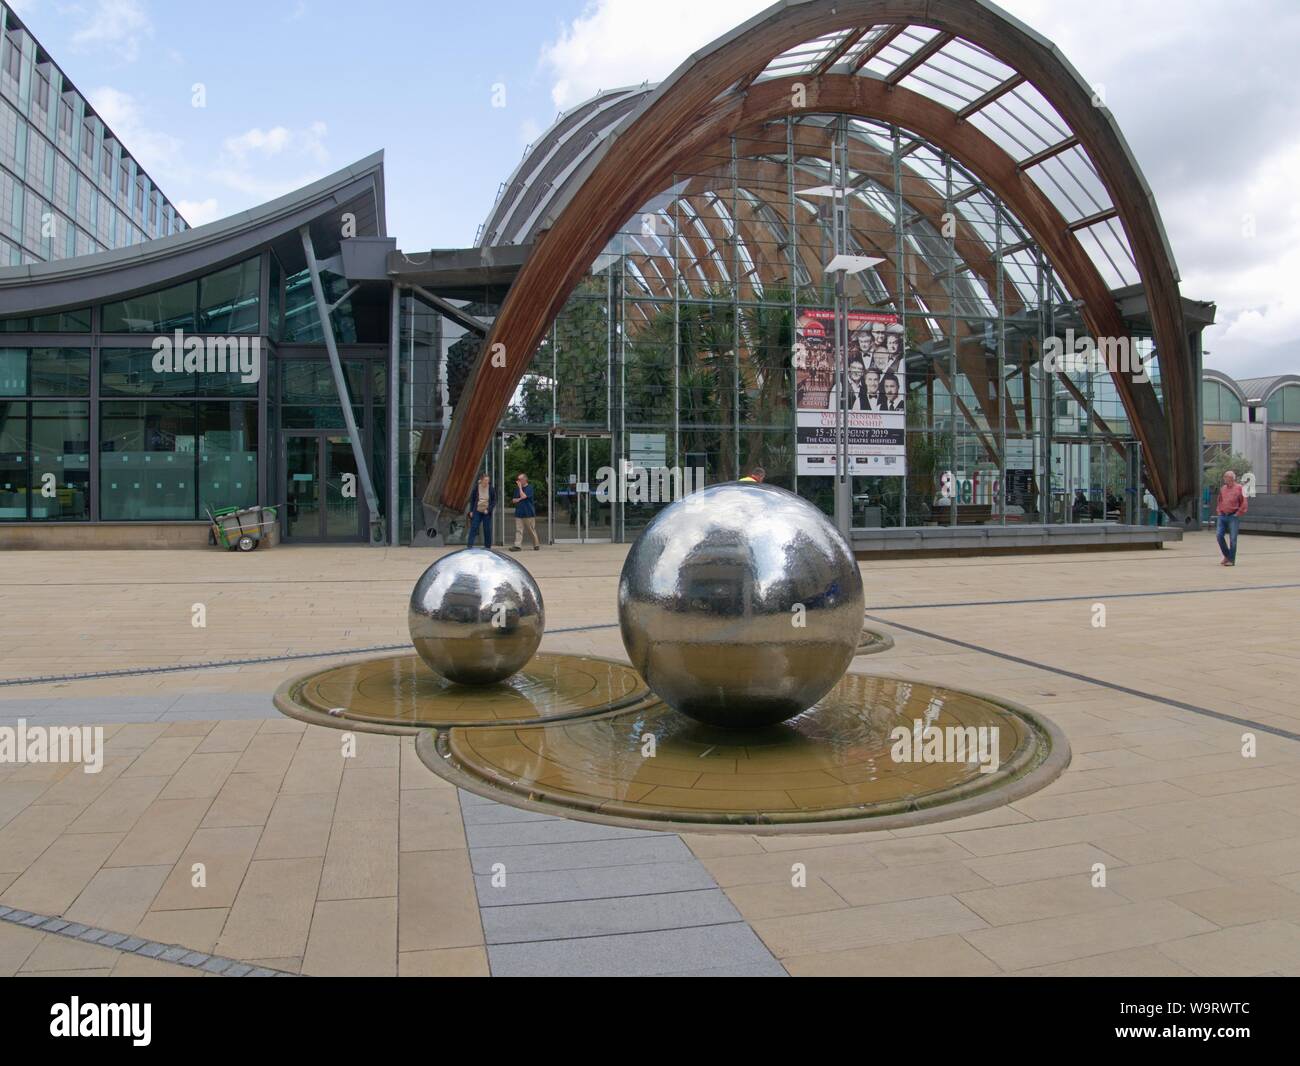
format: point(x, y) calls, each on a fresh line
point(263, 164)
point(257, 141)
point(161, 154)
point(625, 42)
point(119, 28)
point(197, 212)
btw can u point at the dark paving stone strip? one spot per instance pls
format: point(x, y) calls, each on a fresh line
point(1193, 708)
point(134, 945)
point(579, 902)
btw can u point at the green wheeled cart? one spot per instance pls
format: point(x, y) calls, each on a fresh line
point(241, 528)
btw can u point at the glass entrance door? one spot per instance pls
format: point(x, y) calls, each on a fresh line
point(323, 498)
point(579, 465)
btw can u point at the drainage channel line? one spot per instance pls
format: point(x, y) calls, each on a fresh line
point(141, 671)
point(218, 965)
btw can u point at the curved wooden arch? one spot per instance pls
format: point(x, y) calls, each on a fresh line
point(710, 98)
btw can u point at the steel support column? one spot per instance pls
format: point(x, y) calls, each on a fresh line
point(323, 312)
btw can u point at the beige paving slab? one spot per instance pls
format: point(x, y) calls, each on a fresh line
point(778, 899)
point(857, 927)
point(118, 898)
point(269, 754)
point(448, 962)
point(1030, 900)
point(228, 736)
point(1065, 860)
point(272, 913)
point(161, 833)
point(297, 827)
point(313, 772)
point(224, 855)
point(430, 820)
point(822, 862)
point(1030, 836)
point(1241, 951)
point(1130, 962)
point(909, 882)
point(16, 944)
point(1242, 903)
point(200, 777)
point(61, 953)
point(368, 794)
point(244, 799)
point(120, 804)
point(356, 937)
point(361, 860)
point(940, 956)
point(162, 758)
point(30, 832)
point(1076, 936)
point(63, 870)
point(196, 929)
point(438, 905)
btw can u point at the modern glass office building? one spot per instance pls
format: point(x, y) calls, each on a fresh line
point(672, 299)
point(68, 187)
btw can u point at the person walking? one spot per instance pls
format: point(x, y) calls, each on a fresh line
point(1232, 505)
point(482, 502)
point(525, 514)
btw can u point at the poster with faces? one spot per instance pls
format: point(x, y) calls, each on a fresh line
point(872, 369)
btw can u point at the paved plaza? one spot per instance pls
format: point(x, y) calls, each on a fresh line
point(319, 864)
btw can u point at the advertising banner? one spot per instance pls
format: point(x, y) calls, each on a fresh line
point(876, 394)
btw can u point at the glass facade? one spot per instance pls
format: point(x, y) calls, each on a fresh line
point(67, 186)
point(680, 343)
point(102, 432)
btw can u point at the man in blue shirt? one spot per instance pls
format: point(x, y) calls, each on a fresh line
point(525, 514)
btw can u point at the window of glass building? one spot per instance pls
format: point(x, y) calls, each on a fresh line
point(1220, 403)
point(225, 302)
point(45, 454)
point(1284, 404)
point(165, 460)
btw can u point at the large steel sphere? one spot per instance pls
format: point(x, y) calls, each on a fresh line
point(713, 594)
point(476, 617)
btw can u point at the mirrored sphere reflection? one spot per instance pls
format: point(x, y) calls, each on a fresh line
point(741, 605)
point(476, 617)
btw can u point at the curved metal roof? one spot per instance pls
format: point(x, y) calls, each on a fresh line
point(968, 80)
point(550, 163)
point(961, 75)
point(1226, 380)
point(1263, 388)
point(358, 189)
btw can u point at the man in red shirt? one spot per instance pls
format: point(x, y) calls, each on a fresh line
point(1232, 505)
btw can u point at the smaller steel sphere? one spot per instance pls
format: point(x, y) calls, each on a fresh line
point(476, 617)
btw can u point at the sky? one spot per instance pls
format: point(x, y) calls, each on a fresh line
point(1206, 92)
